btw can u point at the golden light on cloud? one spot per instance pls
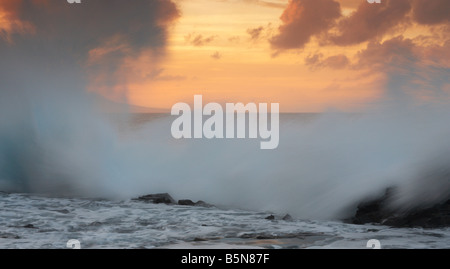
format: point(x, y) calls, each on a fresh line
point(229, 52)
point(9, 25)
point(244, 68)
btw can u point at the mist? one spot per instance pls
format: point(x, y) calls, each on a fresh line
point(55, 141)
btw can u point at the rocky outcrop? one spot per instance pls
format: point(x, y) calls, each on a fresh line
point(202, 203)
point(186, 202)
point(378, 211)
point(159, 198)
point(165, 198)
point(191, 203)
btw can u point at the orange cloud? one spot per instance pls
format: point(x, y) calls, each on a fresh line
point(370, 21)
point(303, 19)
point(431, 12)
point(335, 62)
point(10, 23)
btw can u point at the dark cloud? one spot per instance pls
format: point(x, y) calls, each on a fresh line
point(316, 61)
point(91, 39)
point(85, 26)
point(303, 19)
point(198, 40)
point(370, 21)
point(431, 11)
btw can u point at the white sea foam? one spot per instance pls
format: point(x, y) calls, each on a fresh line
point(133, 224)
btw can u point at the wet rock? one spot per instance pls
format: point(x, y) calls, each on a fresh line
point(202, 203)
point(374, 211)
point(186, 202)
point(287, 217)
point(159, 198)
point(378, 211)
point(271, 217)
point(191, 203)
point(436, 216)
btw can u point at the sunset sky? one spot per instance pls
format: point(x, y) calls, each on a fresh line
point(308, 55)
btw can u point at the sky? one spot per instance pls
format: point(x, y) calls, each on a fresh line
point(307, 55)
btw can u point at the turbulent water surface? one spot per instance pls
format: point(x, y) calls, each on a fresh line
point(29, 221)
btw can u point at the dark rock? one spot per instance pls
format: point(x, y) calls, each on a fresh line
point(191, 203)
point(271, 217)
point(287, 217)
point(186, 202)
point(266, 236)
point(202, 203)
point(198, 239)
point(159, 198)
point(375, 211)
point(29, 226)
point(433, 217)
point(379, 211)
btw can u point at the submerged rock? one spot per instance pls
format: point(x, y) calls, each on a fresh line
point(379, 211)
point(271, 217)
point(287, 217)
point(159, 198)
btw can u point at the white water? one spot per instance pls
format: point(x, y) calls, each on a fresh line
point(132, 224)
